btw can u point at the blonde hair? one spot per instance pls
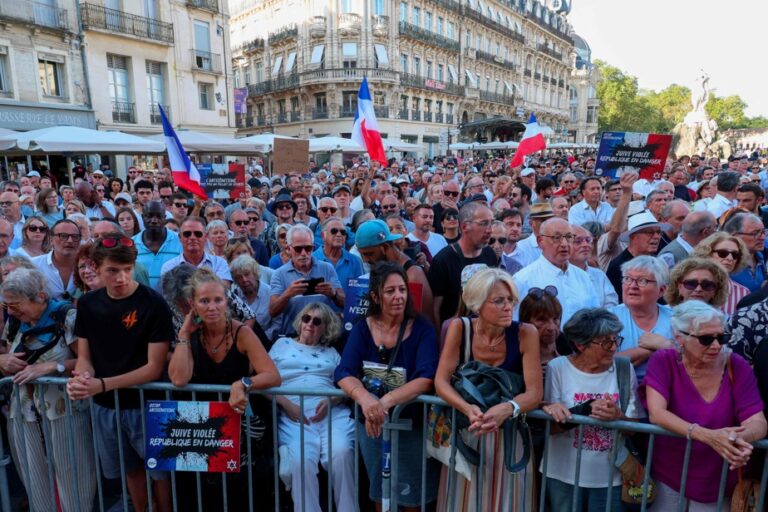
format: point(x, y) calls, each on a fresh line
point(672, 295)
point(706, 247)
point(479, 287)
point(199, 277)
point(329, 318)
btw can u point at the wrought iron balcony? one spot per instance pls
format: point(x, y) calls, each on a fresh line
point(477, 16)
point(415, 115)
point(284, 34)
point(280, 83)
point(428, 84)
point(206, 61)
point(244, 121)
point(319, 113)
point(561, 83)
point(261, 120)
point(154, 113)
point(250, 46)
point(451, 5)
point(381, 111)
point(34, 12)
point(426, 36)
point(495, 59)
point(347, 111)
point(428, 117)
point(282, 117)
point(123, 112)
point(207, 5)
point(527, 72)
point(449, 118)
point(546, 50)
point(496, 97)
point(100, 18)
point(537, 76)
point(402, 114)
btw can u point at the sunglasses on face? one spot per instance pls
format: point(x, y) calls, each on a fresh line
point(241, 222)
point(692, 284)
point(389, 207)
point(284, 206)
point(326, 209)
point(189, 234)
point(109, 243)
point(337, 231)
point(180, 205)
point(214, 214)
point(282, 236)
point(502, 240)
point(298, 249)
point(450, 193)
point(724, 253)
point(707, 339)
point(538, 293)
point(451, 216)
point(68, 236)
point(37, 229)
point(309, 318)
point(254, 219)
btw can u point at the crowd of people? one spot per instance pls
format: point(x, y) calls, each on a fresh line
point(621, 298)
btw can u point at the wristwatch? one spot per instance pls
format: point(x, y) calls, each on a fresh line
point(515, 408)
point(246, 382)
point(60, 368)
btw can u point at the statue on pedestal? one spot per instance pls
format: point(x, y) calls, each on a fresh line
point(698, 134)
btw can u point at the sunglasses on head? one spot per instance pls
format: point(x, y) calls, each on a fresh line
point(189, 234)
point(707, 339)
point(538, 293)
point(502, 240)
point(706, 285)
point(111, 242)
point(309, 318)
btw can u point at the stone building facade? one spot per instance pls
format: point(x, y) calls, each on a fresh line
point(582, 96)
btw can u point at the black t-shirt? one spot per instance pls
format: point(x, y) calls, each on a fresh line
point(437, 222)
point(118, 332)
point(445, 275)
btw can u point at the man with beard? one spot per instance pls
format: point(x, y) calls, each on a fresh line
point(156, 244)
point(450, 199)
point(644, 235)
point(58, 266)
point(11, 209)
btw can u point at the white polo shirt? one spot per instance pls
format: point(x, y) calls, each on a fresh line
point(581, 212)
point(215, 263)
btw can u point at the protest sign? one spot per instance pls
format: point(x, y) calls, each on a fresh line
point(290, 155)
point(192, 436)
point(355, 301)
point(241, 97)
point(223, 181)
point(643, 153)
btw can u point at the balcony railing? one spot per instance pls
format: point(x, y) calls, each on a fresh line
point(154, 113)
point(477, 16)
point(552, 30)
point(495, 59)
point(381, 111)
point(415, 115)
point(244, 121)
point(206, 61)
point(348, 74)
point(282, 117)
point(402, 114)
point(428, 117)
point(208, 5)
point(451, 5)
point(496, 97)
point(549, 51)
point(280, 83)
point(429, 84)
point(319, 113)
point(284, 34)
point(449, 118)
point(527, 72)
point(426, 36)
point(34, 12)
point(537, 76)
point(561, 83)
point(123, 112)
point(100, 18)
point(347, 111)
point(250, 46)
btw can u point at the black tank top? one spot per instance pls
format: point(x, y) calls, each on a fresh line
point(207, 371)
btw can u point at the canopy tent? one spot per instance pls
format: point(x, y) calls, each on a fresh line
point(334, 144)
point(264, 141)
point(460, 146)
point(561, 145)
point(73, 139)
point(547, 131)
point(496, 145)
point(399, 145)
point(7, 138)
point(199, 142)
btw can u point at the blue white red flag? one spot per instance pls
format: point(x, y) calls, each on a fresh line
point(532, 141)
point(365, 131)
point(185, 173)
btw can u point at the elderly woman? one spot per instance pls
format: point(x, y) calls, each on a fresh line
point(284, 256)
point(43, 344)
point(302, 210)
point(246, 274)
point(212, 348)
point(496, 340)
point(541, 309)
point(732, 253)
point(47, 204)
point(36, 238)
point(589, 379)
point(74, 206)
point(405, 345)
point(237, 247)
point(698, 279)
point(707, 394)
point(218, 233)
point(647, 324)
point(308, 361)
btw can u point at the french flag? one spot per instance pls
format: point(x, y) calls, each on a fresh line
point(365, 131)
point(185, 174)
point(532, 141)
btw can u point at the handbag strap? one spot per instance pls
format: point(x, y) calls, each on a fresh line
point(624, 378)
point(466, 340)
point(393, 355)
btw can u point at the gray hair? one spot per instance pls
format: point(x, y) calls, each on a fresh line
point(16, 262)
point(27, 283)
point(215, 224)
point(696, 222)
point(329, 318)
point(736, 223)
point(590, 323)
point(666, 212)
point(173, 283)
point(244, 264)
point(595, 228)
point(327, 201)
point(468, 211)
point(689, 315)
point(650, 264)
point(653, 194)
point(327, 221)
point(299, 228)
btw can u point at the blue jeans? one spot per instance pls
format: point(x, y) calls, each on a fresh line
point(591, 499)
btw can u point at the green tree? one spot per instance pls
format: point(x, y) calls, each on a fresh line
point(728, 111)
point(671, 105)
point(621, 107)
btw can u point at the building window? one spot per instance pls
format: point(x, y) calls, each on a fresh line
point(451, 30)
point(346, 6)
point(574, 113)
point(349, 102)
point(468, 39)
point(428, 69)
point(258, 71)
point(403, 63)
point(403, 11)
point(591, 115)
point(440, 73)
point(50, 78)
point(321, 104)
point(427, 20)
point(5, 79)
point(378, 7)
point(440, 26)
point(247, 75)
point(318, 56)
point(380, 57)
point(449, 108)
point(417, 16)
point(117, 71)
point(416, 65)
point(156, 89)
point(205, 91)
point(427, 105)
point(294, 103)
point(403, 102)
point(349, 54)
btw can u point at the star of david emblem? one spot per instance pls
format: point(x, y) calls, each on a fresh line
point(231, 465)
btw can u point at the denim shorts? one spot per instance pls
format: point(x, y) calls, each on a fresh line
point(131, 438)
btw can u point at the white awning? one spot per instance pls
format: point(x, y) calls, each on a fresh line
point(381, 54)
point(290, 62)
point(276, 67)
point(317, 54)
point(472, 78)
point(452, 72)
point(509, 88)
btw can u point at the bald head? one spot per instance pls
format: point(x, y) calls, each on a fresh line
point(554, 224)
point(697, 226)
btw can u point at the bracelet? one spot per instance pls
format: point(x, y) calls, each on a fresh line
point(103, 385)
point(182, 342)
point(691, 427)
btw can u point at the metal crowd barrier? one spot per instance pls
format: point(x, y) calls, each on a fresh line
point(390, 433)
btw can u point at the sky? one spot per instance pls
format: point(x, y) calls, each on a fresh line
point(662, 42)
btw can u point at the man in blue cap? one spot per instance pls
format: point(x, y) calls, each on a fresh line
point(376, 243)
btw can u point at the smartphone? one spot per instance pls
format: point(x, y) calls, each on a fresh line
point(312, 284)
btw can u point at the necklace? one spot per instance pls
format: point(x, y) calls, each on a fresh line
point(493, 345)
point(221, 342)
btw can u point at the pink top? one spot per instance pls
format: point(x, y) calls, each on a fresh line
point(731, 406)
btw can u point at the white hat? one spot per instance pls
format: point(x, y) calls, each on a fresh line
point(258, 168)
point(640, 221)
point(526, 172)
point(33, 173)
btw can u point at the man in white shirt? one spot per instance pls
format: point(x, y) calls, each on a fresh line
point(58, 266)
point(193, 238)
point(591, 208)
point(528, 249)
point(725, 199)
point(580, 254)
point(423, 218)
point(575, 290)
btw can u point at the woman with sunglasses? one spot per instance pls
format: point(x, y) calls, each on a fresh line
point(707, 395)
point(308, 361)
point(587, 383)
point(732, 253)
point(217, 232)
point(541, 309)
point(36, 238)
point(389, 359)
point(303, 213)
point(698, 279)
point(284, 256)
point(449, 219)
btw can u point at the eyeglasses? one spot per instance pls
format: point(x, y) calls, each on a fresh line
point(326, 209)
point(337, 231)
point(707, 339)
point(189, 234)
point(450, 193)
point(180, 205)
point(164, 198)
point(284, 206)
point(36, 229)
point(583, 240)
point(559, 238)
point(241, 222)
point(641, 282)
point(500, 302)
point(724, 253)
point(282, 236)
point(389, 207)
point(754, 234)
point(482, 223)
point(6, 204)
point(68, 236)
point(451, 216)
point(309, 318)
point(215, 213)
point(109, 243)
point(298, 249)
point(692, 284)
point(608, 343)
point(538, 293)
point(502, 240)
point(254, 219)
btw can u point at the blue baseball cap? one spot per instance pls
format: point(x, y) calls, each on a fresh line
point(372, 233)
